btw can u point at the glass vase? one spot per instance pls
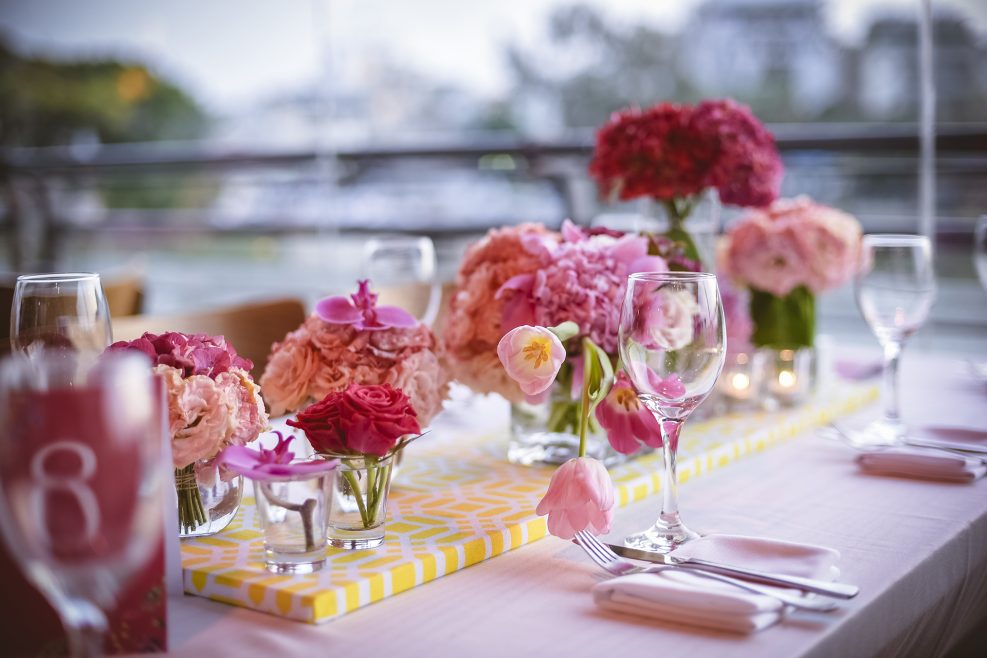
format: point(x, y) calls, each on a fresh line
point(787, 376)
point(547, 433)
point(208, 498)
point(358, 506)
point(293, 513)
point(693, 222)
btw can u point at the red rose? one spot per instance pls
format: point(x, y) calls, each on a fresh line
point(359, 420)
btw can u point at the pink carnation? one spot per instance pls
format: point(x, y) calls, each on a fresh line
point(320, 358)
point(792, 243)
point(473, 326)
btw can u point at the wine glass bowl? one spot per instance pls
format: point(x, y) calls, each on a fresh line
point(895, 288)
point(672, 346)
point(66, 310)
point(81, 471)
point(402, 269)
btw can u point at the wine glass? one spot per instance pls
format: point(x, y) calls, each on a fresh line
point(60, 310)
point(895, 288)
point(402, 269)
point(81, 471)
point(980, 250)
point(672, 345)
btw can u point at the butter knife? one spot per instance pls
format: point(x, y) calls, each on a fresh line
point(836, 590)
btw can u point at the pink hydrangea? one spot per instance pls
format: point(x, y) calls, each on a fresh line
point(791, 243)
point(193, 354)
point(321, 357)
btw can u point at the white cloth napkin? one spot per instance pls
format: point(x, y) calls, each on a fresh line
point(922, 463)
point(679, 597)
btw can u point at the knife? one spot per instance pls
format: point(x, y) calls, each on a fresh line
point(836, 590)
point(978, 449)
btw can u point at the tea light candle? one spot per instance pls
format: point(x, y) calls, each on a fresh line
point(738, 381)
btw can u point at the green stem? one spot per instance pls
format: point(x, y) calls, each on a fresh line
point(678, 210)
point(787, 322)
point(355, 486)
point(191, 513)
point(584, 409)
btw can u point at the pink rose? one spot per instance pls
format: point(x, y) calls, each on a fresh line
point(418, 376)
point(364, 420)
point(532, 357)
point(668, 318)
point(249, 416)
point(208, 421)
point(286, 379)
point(580, 497)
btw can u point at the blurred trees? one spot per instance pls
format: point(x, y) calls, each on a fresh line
point(45, 102)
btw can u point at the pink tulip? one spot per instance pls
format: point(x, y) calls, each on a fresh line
point(579, 497)
point(532, 357)
point(628, 422)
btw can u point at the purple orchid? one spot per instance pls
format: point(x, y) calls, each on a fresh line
point(361, 311)
point(272, 464)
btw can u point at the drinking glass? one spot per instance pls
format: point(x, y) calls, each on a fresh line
point(980, 249)
point(81, 470)
point(59, 310)
point(895, 288)
point(672, 345)
point(293, 512)
point(402, 269)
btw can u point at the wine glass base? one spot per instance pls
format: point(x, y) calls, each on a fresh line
point(660, 538)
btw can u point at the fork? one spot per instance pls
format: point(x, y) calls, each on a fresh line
point(847, 438)
point(613, 564)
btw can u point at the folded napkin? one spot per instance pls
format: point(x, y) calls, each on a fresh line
point(680, 597)
point(922, 463)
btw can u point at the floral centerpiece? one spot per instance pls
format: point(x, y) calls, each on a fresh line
point(353, 340)
point(674, 153)
point(528, 275)
point(212, 403)
point(785, 255)
point(364, 426)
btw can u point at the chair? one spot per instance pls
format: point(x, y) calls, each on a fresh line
point(250, 328)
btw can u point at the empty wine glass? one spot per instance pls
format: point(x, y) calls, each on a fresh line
point(402, 269)
point(672, 345)
point(895, 288)
point(980, 250)
point(59, 310)
point(81, 471)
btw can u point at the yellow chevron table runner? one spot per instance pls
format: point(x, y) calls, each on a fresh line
point(456, 502)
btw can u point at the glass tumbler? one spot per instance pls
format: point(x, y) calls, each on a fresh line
point(293, 513)
point(359, 501)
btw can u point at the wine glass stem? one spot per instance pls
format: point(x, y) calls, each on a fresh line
point(669, 516)
point(85, 625)
point(892, 353)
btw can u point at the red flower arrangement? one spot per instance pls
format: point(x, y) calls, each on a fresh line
point(669, 152)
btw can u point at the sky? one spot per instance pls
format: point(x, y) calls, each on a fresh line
point(228, 53)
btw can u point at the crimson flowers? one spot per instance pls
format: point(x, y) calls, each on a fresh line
point(670, 151)
point(360, 420)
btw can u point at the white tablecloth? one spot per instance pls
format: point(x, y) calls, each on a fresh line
point(917, 549)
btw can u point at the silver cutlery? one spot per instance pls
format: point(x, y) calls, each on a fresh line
point(932, 445)
point(834, 590)
point(611, 563)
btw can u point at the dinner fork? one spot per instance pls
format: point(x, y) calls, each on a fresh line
point(612, 563)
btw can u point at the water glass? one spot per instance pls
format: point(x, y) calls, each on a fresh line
point(895, 288)
point(980, 250)
point(402, 269)
point(60, 311)
point(293, 513)
point(358, 508)
point(82, 462)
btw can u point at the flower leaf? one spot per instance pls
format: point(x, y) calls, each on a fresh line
point(565, 330)
point(598, 373)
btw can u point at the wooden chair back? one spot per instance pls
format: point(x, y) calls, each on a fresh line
point(250, 328)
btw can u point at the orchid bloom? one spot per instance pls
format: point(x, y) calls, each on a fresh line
point(579, 497)
point(628, 423)
point(274, 463)
point(532, 357)
point(361, 311)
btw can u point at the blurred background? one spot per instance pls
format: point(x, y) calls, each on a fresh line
point(232, 150)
